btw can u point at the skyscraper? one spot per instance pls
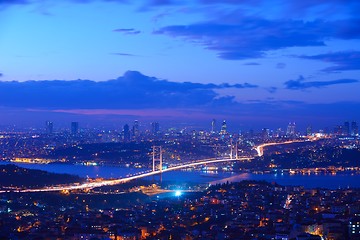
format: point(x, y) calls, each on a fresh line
point(213, 126)
point(126, 132)
point(223, 128)
point(136, 128)
point(290, 131)
point(346, 129)
point(308, 130)
point(155, 128)
point(49, 127)
point(354, 129)
point(265, 133)
point(74, 128)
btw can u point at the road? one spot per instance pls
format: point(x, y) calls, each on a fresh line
point(260, 148)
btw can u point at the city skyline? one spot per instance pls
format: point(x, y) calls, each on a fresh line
point(257, 65)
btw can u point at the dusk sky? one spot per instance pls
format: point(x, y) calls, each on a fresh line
point(255, 63)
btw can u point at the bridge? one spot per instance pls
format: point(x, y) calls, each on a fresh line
point(111, 182)
point(156, 157)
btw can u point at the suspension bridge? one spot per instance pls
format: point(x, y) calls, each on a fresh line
point(157, 160)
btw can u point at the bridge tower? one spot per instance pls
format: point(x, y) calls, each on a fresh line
point(236, 151)
point(233, 148)
point(157, 157)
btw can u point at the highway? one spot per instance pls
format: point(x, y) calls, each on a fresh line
point(111, 182)
point(260, 148)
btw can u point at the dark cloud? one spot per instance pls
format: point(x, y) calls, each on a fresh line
point(344, 61)
point(244, 38)
point(15, 1)
point(1, 74)
point(155, 3)
point(272, 89)
point(301, 84)
point(132, 91)
point(131, 31)
point(296, 8)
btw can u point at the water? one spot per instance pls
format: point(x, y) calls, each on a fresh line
point(340, 180)
point(81, 170)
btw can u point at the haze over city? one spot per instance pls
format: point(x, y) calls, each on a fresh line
point(254, 63)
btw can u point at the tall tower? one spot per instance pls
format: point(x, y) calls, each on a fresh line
point(213, 126)
point(74, 128)
point(49, 127)
point(157, 157)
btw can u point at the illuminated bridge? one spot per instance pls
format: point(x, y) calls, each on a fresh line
point(106, 182)
point(157, 157)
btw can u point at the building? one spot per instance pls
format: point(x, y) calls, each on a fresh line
point(354, 129)
point(346, 129)
point(126, 132)
point(213, 126)
point(223, 128)
point(309, 131)
point(354, 228)
point(74, 128)
point(49, 127)
point(265, 133)
point(136, 131)
point(290, 131)
point(155, 128)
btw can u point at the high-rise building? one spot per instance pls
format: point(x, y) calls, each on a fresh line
point(338, 130)
point(223, 128)
point(265, 133)
point(308, 130)
point(49, 127)
point(213, 126)
point(346, 129)
point(290, 131)
point(136, 132)
point(155, 128)
point(354, 129)
point(126, 132)
point(74, 128)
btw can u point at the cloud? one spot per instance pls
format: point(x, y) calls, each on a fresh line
point(295, 8)
point(344, 61)
point(281, 65)
point(252, 64)
point(125, 54)
point(1, 74)
point(272, 89)
point(236, 38)
point(130, 31)
point(300, 84)
point(14, 2)
point(131, 91)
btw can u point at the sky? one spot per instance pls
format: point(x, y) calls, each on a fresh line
point(254, 63)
